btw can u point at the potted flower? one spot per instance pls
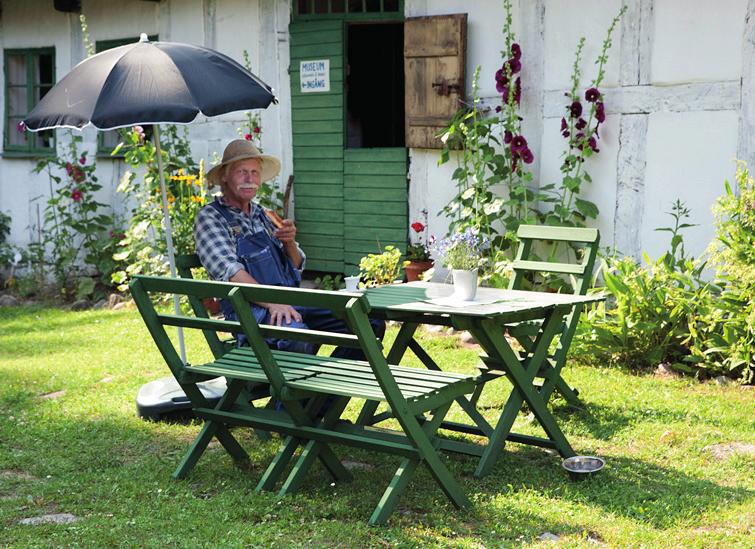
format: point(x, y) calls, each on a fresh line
point(418, 253)
point(463, 253)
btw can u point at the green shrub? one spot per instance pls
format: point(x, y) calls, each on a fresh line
point(379, 269)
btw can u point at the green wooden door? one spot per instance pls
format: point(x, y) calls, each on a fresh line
point(318, 140)
point(349, 202)
point(375, 201)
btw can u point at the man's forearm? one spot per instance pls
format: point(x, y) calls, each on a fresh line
point(293, 252)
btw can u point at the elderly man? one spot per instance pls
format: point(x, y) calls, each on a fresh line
point(237, 242)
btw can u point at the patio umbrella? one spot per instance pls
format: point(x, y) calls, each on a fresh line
point(149, 83)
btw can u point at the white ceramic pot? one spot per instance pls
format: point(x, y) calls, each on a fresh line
point(465, 284)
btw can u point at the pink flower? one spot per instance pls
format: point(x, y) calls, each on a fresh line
point(69, 168)
point(76, 195)
point(257, 129)
point(418, 227)
point(83, 160)
point(21, 127)
point(248, 137)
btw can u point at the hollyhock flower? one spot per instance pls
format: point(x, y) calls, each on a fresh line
point(592, 95)
point(593, 144)
point(527, 156)
point(517, 92)
point(417, 227)
point(600, 112)
point(76, 195)
point(514, 65)
point(581, 123)
point(516, 51)
point(507, 137)
point(21, 127)
point(575, 109)
point(257, 129)
point(498, 108)
point(564, 125)
point(83, 160)
point(514, 161)
point(501, 87)
point(248, 136)
point(69, 168)
point(500, 76)
point(518, 143)
point(78, 174)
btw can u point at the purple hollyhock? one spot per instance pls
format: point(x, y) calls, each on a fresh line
point(500, 76)
point(514, 65)
point(518, 143)
point(564, 125)
point(593, 144)
point(527, 156)
point(516, 51)
point(575, 109)
point(498, 108)
point(507, 137)
point(600, 112)
point(513, 163)
point(517, 92)
point(581, 123)
point(502, 87)
point(592, 95)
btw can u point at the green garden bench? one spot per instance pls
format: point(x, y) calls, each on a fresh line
point(419, 399)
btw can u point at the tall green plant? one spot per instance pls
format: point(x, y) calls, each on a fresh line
point(580, 127)
point(143, 250)
point(76, 228)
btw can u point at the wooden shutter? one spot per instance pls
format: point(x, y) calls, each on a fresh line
point(434, 55)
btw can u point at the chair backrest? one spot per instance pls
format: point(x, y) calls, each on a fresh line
point(353, 307)
point(584, 241)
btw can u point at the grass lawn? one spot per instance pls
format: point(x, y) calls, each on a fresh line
point(70, 442)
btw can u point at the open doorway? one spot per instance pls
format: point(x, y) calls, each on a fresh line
point(375, 85)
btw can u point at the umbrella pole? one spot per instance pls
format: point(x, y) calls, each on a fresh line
point(168, 234)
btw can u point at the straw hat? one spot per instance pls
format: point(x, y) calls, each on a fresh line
point(241, 149)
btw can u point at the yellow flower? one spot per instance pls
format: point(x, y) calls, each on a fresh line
point(198, 199)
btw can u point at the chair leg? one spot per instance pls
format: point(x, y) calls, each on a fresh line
point(196, 449)
point(396, 487)
point(277, 465)
point(314, 449)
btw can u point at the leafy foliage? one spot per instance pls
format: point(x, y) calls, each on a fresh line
point(383, 268)
point(76, 228)
point(143, 250)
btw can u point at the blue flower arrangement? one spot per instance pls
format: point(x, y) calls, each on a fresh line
point(463, 250)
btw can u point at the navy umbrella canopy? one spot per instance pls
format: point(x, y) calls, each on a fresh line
point(148, 83)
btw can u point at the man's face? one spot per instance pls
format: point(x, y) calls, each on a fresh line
point(242, 180)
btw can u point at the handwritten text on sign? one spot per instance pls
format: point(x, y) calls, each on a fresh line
point(315, 75)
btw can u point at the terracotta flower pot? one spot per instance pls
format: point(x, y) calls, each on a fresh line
point(416, 268)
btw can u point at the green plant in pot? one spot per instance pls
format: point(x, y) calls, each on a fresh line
point(463, 253)
point(381, 269)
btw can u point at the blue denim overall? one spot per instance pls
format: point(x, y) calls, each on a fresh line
point(265, 259)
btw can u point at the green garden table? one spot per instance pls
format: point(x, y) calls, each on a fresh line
point(486, 319)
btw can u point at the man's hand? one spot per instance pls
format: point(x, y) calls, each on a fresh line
point(282, 314)
point(287, 233)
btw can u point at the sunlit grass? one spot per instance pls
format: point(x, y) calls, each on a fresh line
point(70, 442)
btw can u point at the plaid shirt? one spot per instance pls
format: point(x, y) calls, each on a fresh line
point(216, 244)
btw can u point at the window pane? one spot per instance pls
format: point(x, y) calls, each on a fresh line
point(321, 6)
point(355, 6)
point(17, 101)
point(13, 136)
point(337, 6)
point(43, 140)
point(43, 69)
point(40, 92)
point(16, 67)
point(373, 5)
point(390, 5)
point(109, 140)
point(303, 7)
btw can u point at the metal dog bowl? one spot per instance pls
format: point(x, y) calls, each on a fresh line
point(582, 467)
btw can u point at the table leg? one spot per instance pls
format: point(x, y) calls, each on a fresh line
point(491, 337)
